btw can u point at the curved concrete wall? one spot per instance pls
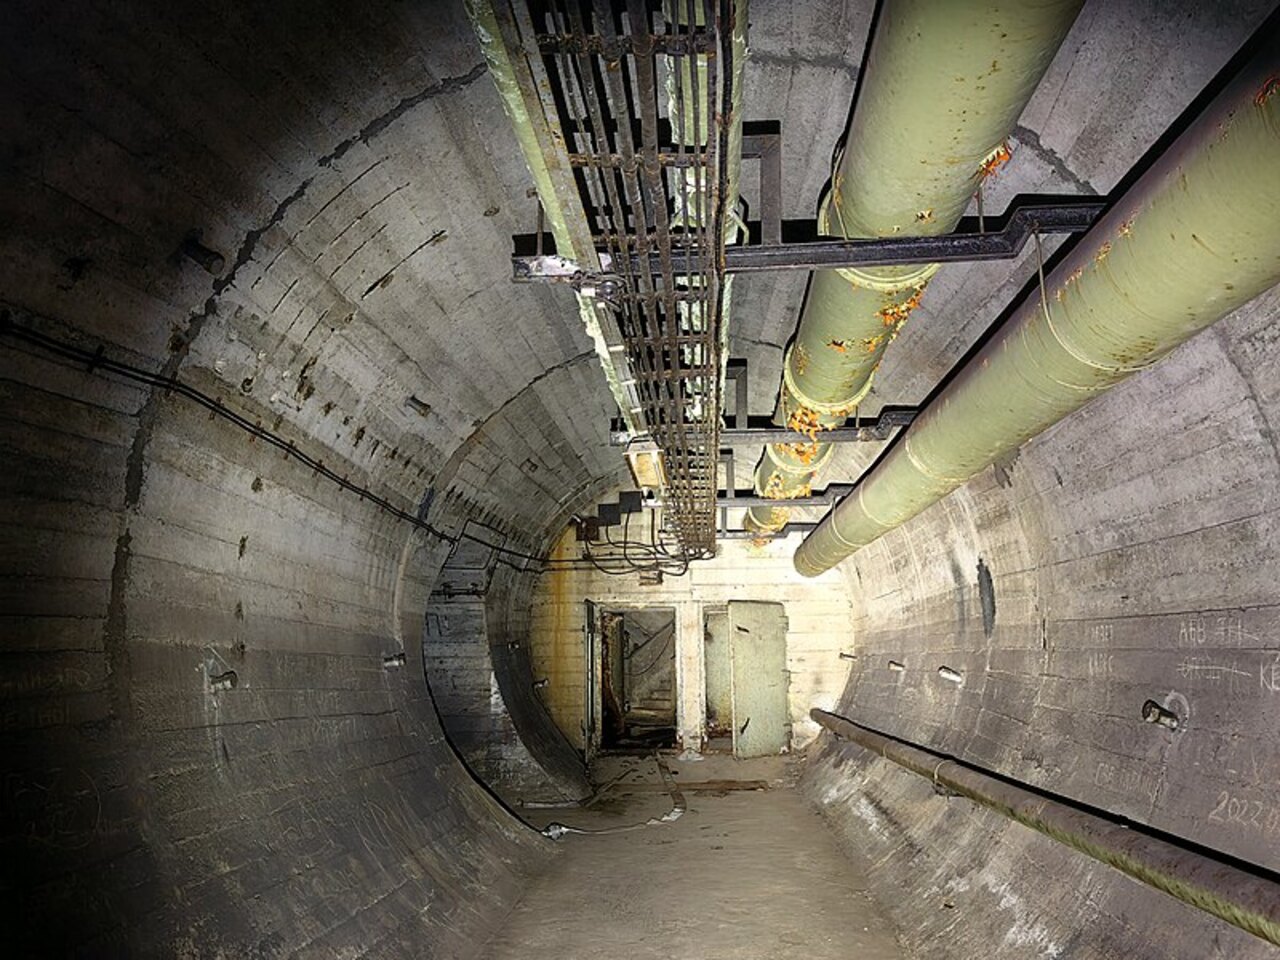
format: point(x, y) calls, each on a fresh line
point(1131, 554)
point(211, 747)
point(206, 752)
point(509, 611)
point(217, 737)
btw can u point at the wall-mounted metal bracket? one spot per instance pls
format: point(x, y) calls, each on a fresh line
point(762, 141)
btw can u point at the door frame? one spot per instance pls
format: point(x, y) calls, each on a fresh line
point(594, 637)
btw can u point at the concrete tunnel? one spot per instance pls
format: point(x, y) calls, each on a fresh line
point(308, 516)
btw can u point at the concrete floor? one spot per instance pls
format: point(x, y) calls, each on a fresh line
point(743, 873)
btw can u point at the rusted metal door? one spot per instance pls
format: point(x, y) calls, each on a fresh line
point(758, 669)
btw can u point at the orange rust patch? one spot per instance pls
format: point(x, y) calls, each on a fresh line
point(995, 162)
point(773, 489)
point(892, 314)
point(839, 346)
point(1268, 90)
point(1102, 253)
point(804, 452)
point(805, 421)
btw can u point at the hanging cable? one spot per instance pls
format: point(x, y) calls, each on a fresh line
point(97, 362)
point(656, 660)
point(665, 631)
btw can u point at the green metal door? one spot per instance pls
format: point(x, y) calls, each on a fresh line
point(591, 684)
point(758, 666)
point(719, 680)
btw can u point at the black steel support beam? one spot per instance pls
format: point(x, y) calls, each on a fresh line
point(1240, 893)
point(860, 431)
point(782, 534)
point(1018, 226)
point(749, 498)
point(761, 430)
point(736, 370)
point(1002, 244)
point(763, 141)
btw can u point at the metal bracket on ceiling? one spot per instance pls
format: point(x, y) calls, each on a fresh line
point(1026, 217)
point(749, 498)
point(761, 430)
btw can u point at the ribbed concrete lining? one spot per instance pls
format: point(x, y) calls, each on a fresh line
point(315, 807)
point(217, 737)
point(1133, 555)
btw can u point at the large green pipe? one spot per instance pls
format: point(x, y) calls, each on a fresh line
point(945, 82)
point(1197, 236)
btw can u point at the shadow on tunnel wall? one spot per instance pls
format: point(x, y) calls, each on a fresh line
point(509, 644)
point(215, 740)
point(475, 652)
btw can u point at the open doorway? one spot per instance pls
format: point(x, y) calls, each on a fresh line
point(637, 678)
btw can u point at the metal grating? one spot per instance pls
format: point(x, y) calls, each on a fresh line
point(642, 92)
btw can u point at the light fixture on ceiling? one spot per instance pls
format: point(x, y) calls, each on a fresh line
point(644, 457)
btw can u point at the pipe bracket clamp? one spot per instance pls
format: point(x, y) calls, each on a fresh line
point(909, 281)
point(838, 409)
point(861, 278)
point(817, 464)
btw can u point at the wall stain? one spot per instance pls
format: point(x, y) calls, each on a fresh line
point(987, 598)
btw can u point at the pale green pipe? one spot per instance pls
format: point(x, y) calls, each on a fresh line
point(1196, 237)
point(945, 82)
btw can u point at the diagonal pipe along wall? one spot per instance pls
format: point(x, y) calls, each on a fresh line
point(1193, 239)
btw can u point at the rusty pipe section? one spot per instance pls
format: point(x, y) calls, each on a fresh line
point(944, 84)
point(1231, 891)
point(1197, 236)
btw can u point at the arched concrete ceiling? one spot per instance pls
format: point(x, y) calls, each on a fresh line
point(354, 168)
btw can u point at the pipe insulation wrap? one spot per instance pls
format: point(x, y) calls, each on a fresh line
point(1197, 236)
